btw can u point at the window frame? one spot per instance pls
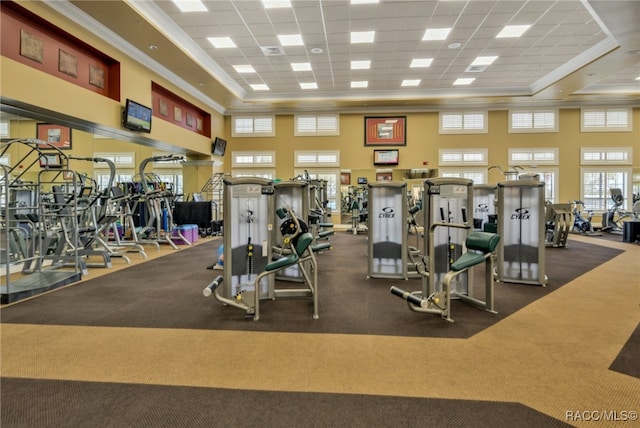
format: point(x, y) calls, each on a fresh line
point(533, 128)
point(298, 132)
point(463, 129)
point(270, 133)
point(628, 127)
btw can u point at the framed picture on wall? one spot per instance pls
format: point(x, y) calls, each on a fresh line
point(54, 136)
point(384, 176)
point(385, 131)
point(345, 178)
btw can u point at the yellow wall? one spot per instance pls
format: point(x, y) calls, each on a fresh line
point(424, 142)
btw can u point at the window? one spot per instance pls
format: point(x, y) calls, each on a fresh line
point(5, 159)
point(122, 176)
point(605, 119)
point(122, 160)
point(597, 182)
point(328, 124)
point(332, 177)
point(253, 159)
point(463, 157)
point(269, 174)
point(533, 121)
point(532, 157)
point(463, 122)
point(477, 175)
point(605, 156)
point(316, 159)
point(4, 129)
point(253, 126)
point(173, 179)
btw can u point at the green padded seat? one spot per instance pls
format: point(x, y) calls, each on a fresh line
point(320, 247)
point(325, 234)
point(479, 241)
point(303, 243)
point(325, 224)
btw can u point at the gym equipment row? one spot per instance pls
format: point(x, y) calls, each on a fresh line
point(256, 257)
point(506, 234)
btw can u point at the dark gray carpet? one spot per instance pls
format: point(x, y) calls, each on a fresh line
point(167, 293)
point(28, 403)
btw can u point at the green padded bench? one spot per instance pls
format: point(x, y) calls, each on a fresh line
point(479, 241)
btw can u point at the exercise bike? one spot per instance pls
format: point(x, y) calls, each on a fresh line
point(582, 224)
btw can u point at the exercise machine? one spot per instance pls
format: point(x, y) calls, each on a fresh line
point(582, 224)
point(299, 252)
point(388, 230)
point(521, 216)
point(484, 207)
point(445, 269)
point(295, 195)
point(558, 223)
point(613, 219)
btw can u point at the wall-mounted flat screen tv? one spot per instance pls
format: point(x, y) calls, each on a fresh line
point(136, 117)
point(219, 146)
point(386, 157)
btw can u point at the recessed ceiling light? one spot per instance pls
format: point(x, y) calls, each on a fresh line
point(464, 81)
point(512, 31)
point(301, 66)
point(360, 65)
point(291, 40)
point(221, 42)
point(360, 84)
point(484, 60)
point(362, 36)
point(638, 78)
point(259, 87)
point(364, 1)
point(190, 5)
point(410, 82)
point(436, 34)
point(153, 47)
point(316, 51)
point(273, 4)
point(422, 62)
point(454, 45)
point(310, 85)
point(244, 69)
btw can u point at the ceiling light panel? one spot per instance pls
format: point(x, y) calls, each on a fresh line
point(512, 31)
point(190, 5)
point(436, 34)
point(244, 68)
point(259, 87)
point(464, 81)
point(484, 60)
point(291, 40)
point(301, 66)
point(411, 82)
point(276, 4)
point(360, 65)
point(359, 84)
point(221, 42)
point(310, 85)
point(362, 36)
point(423, 62)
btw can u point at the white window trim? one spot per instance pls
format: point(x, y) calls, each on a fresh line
point(298, 154)
point(628, 197)
point(533, 162)
point(585, 150)
point(302, 133)
point(461, 171)
point(445, 163)
point(113, 156)
point(463, 129)
point(6, 159)
point(235, 155)
point(5, 129)
point(270, 173)
point(540, 171)
point(270, 133)
point(533, 128)
point(606, 128)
